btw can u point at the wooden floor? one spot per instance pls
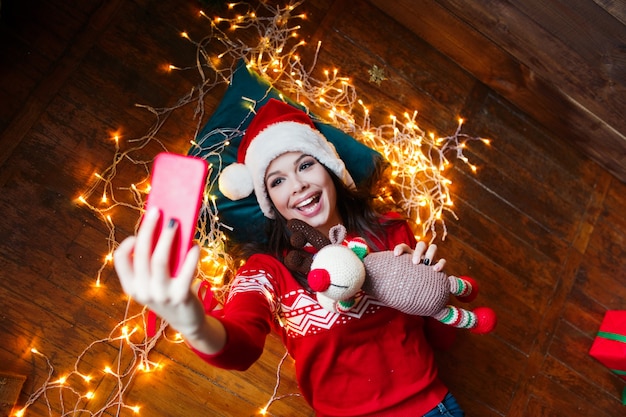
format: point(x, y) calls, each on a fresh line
point(541, 226)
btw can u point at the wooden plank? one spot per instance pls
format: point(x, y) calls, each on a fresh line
point(614, 7)
point(459, 370)
point(520, 141)
point(568, 344)
point(561, 298)
point(21, 68)
point(12, 135)
point(560, 42)
point(396, 95)
point(153, 47)
point(248, 391)
point(583, 31)
point(552, 400)
point(585, 316)
point(432, 78)
point(612, 214)
point(542, 98)
point(599, 278)
point(31, 23)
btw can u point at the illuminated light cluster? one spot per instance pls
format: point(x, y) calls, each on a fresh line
point(74, 391)
point(419, 161)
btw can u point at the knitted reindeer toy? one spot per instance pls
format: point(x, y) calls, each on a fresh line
point(340, 269)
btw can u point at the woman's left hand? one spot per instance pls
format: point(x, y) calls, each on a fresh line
point(421, 253)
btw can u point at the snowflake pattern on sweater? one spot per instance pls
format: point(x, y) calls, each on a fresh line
point(299, 313)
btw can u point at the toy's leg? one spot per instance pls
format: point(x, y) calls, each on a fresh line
point(464, 288)
point(481, 321)
point(456, 317)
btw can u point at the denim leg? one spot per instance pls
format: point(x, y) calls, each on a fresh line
point(449, 407)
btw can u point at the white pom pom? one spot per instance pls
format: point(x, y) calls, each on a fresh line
point(235, 182)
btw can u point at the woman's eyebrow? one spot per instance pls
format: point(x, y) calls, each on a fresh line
point(297, 161)
point(269, 174)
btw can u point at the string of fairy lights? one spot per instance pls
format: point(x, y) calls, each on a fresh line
point(419, 162)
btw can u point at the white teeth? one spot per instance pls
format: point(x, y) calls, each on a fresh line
point(306, 202)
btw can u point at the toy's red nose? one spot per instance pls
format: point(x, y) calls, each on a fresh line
point(319, 279)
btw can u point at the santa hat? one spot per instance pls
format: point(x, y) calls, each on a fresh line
point(277, 128)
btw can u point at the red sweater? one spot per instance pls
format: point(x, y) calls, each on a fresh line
point(373, 360)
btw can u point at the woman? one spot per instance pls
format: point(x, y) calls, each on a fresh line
point(372, 361)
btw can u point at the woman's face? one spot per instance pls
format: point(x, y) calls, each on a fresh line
point(301, 188)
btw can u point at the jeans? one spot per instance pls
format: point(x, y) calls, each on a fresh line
point(447, 408)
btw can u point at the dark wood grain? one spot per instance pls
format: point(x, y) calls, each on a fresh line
point(538, 55)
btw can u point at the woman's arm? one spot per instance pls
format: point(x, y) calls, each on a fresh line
point(145, 276)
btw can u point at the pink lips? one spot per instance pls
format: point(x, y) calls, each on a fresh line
point(308, 205)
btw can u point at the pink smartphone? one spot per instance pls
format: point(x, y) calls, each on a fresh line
point(176, 188)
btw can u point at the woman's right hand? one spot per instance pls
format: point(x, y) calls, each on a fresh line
point(421, 253)
point(145, 276)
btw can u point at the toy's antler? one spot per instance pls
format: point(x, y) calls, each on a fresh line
point(297, 259)
point(302, 232)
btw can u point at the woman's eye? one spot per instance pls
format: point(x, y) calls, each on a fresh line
point(306, 164)
point(276, 182)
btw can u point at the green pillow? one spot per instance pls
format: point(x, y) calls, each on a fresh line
point(229, 122)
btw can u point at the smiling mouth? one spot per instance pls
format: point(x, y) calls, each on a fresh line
point(309, 203)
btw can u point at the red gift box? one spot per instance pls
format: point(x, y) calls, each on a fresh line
point(609, 346)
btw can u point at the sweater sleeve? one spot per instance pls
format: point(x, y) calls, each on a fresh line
point(398, 232)
point(247, 317)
